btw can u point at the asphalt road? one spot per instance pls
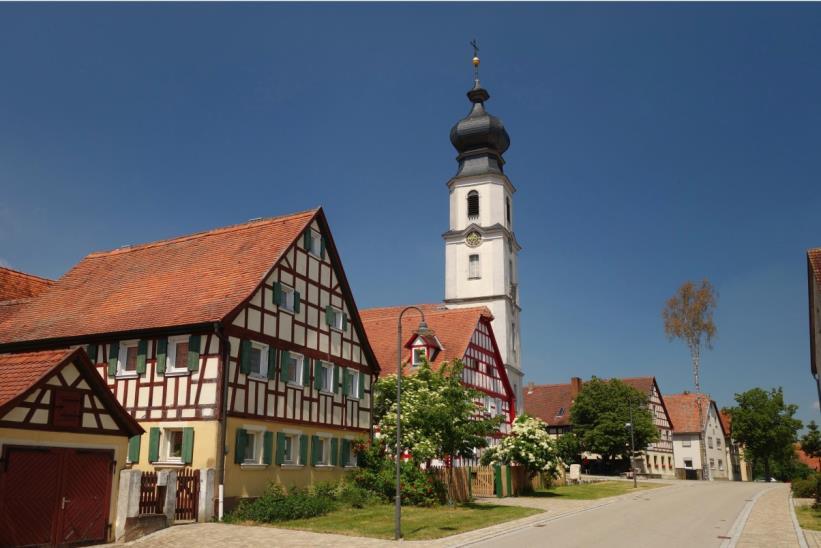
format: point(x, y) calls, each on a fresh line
point(687, 514)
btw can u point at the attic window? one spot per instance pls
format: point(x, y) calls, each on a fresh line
point(560, 412)
point(420, 354)
point(473, 204)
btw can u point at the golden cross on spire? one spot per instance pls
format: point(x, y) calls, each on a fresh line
point(475, 60)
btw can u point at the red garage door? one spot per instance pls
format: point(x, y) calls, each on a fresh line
point(53, 496)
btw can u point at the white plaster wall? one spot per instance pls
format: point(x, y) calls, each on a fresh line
point(492, 193)
point(680, 452)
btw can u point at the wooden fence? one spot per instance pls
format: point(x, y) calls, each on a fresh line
point(188, 490)
point(457, 483)
point(484, 481)
point(150, 500)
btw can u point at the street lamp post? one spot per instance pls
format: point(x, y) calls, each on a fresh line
point(632, 444)
point(422, 330)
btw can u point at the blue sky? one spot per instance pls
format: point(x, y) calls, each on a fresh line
point(651, 144)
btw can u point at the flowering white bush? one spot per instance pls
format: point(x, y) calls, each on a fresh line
point(528, 445)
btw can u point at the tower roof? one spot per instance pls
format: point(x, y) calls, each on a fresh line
point(480, 138)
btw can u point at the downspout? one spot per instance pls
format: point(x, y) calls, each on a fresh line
point(225, 354)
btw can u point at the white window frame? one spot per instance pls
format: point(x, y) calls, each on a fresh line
point(710, 442)
point(263, 360)
point(349, 460)
point(165, 446)
point(316, 244)
point(122, 359)
point(327, 368)
point(718, 443)
point(338, 318)
point(324, 460)
point(712, 464)
point(686, 443)
point(690, 467)
point(294, 437)
point(171, 357)
point(478, 273)
point(414, 361)
point(354, 376)
point(300, 364)
point(288, 293)
point(257, 434)
point(720, 464)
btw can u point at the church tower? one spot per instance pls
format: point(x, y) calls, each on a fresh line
point(480, 246)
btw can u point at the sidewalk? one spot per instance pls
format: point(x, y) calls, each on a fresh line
point(770, 523)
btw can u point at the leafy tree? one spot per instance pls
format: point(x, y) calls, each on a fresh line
point(688, 316)
point(764, 425)
point(528, 445)
point(811, 442)
point(601, 414)
point(440, 416)
point(569, 448)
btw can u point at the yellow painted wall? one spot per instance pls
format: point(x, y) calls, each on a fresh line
point(205, 443)
point(19, 436)
point(241, 482)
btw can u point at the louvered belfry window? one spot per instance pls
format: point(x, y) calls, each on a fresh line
point(473, 204)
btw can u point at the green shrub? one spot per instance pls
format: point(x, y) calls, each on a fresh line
point(325, 489)
point(419, 488)
point(277, 505)
point(805, 488)
point(352, 495)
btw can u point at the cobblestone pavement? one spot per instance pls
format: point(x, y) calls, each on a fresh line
point(770, 523)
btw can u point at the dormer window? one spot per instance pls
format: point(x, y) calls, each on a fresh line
point(420, 354)
point(560, 412)
point(473, 205)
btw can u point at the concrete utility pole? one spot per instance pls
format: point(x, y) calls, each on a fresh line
point(632, 444)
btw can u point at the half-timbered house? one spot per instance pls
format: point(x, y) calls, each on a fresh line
point(245, 338)
point(465, 334)
point(63, 440)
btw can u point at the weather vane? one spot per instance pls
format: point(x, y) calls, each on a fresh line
point(475, 60)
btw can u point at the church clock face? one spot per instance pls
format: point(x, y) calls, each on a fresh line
point(473, 239)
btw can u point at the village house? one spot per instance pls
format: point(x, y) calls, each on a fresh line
point(464, 334)
point(239, 349)
point(552, 403)
point(698, 437)
point(740, 469)
point(63, 441)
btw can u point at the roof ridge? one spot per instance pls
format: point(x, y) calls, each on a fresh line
point(27, 275)
point(201, 234)
point(389, 311)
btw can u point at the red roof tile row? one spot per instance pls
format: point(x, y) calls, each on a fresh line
point(20, 285)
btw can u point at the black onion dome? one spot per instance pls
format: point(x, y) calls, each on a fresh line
point(480, 138)
point(479, 129)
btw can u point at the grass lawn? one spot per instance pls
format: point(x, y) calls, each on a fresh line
point(808, 518)
point(590, 491)
point(417, 523)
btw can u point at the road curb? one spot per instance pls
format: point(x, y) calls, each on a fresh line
point(741, 521)
point(799, 532)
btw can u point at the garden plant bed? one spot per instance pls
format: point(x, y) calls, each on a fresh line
point(808, 517)
point(417, 523)
point(592, 491)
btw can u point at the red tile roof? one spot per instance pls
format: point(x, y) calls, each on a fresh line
point(453, 328)
point(814, 463)
point(193, 279)
point(726, 421)
point(544, 401)
point(19, 285)
point(642, 384)
point(814, 259)
point(683, 410)
point(20, 372)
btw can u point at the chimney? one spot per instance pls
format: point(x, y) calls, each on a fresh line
point(575, 386)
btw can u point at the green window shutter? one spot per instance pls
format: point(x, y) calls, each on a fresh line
point(162, 354)
point(329, 315)
point(245, 356)
point(336, 379)
point(314, 450)
point(361, 384)
point(284, 358)
point(317, 374)
point(154, 444)
point(239, 447)
point(272, 363)
point(267, 447)
point(344, 322)
point(277, 293)
point(194, 352)
point(187, 445)
point(113, 352)
point(347, 382)
point(91, 350)
point(297, 302)
point(334, 451)
point(134, 449)
point(142, 350)
point(306, 372)
point(303, 449)
point(306, 239)
point(280, 448)
point(346, 451)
